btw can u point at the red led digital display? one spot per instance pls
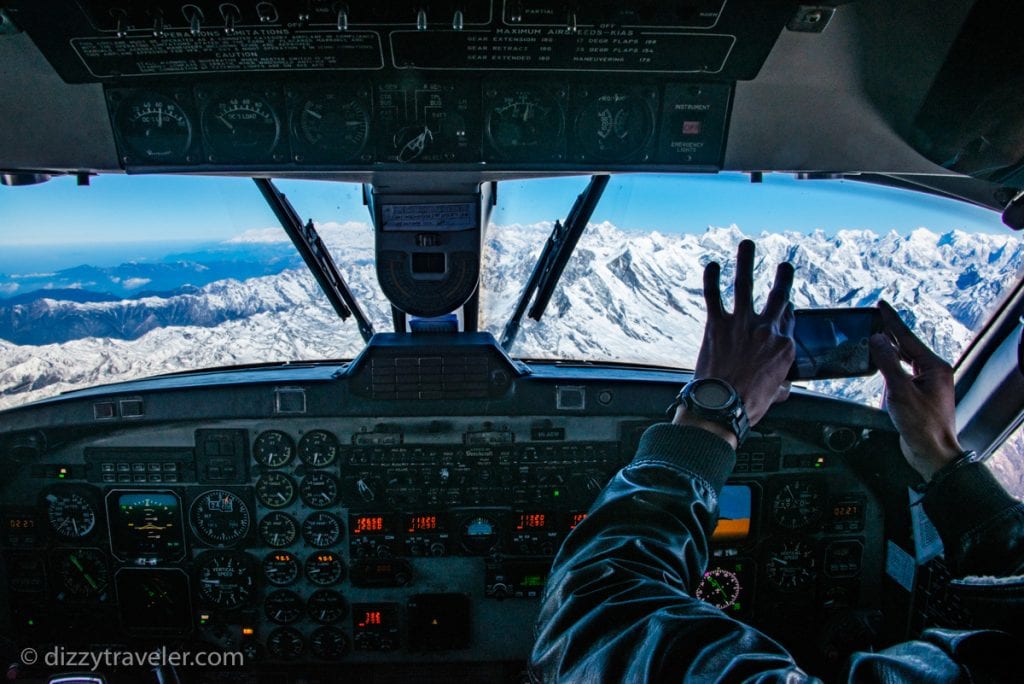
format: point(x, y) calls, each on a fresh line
point(846, 510)
point(422, 523)
point(21, 523)
point(532, 521)
point(371, 618)
point(577, 518)
point(368, 523)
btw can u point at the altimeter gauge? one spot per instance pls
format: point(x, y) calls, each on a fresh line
point(797, 504)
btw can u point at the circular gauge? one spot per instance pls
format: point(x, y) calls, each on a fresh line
point(321, 529)
point(71, 515)
point(278, 530)
point(319, 490)
point(327, 606)
point(273, 449)
point(275, 490)
point(281, 568)
point(331, 124)
point(318, 448)
point(328, 643)
point(719, 587)
point(479, 535)
point(791, 566)
point(283, 606)
point(219, 517)
point(325, 568)
point(614, 126)
point(240, 127)
point(83, 573)
point(412, 142)
point(226, 579)
point(797, 504)
point(154, 128)
point(285, 643)
point(525, 124)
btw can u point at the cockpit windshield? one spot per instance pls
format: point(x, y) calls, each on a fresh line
point(136, 276)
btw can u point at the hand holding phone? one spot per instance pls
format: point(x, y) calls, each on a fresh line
point(834, 343)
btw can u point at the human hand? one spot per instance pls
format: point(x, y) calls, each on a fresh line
point(921, 403)
point(752, 352)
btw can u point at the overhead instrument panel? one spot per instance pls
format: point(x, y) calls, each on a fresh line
point(465, 85)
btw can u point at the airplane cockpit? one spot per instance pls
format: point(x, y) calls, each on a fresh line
point(346, 440)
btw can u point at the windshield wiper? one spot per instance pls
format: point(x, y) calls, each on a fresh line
point(318, 259)
point(553, 259)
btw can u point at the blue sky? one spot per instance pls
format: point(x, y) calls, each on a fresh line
point(132, 209)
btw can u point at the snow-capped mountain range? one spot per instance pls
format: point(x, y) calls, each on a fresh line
point(624, 296)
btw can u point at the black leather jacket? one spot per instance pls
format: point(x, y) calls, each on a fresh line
point(620, 607)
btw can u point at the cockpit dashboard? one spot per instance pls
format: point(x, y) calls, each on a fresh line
point(297, 517)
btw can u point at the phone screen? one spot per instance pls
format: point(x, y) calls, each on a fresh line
point(833, 343)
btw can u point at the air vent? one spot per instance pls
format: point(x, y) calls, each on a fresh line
point(454, 376)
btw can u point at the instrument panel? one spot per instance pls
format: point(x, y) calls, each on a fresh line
point(345, 121)
point(426, 540)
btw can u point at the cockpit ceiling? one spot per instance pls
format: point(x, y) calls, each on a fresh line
point(495, 89)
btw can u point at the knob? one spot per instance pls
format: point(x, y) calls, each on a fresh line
point(365, 490)
point(120, 22)
point(515, 12)
point(421, 19)
point(158, 24)
point(194, 16)
point(266, 12)
point(415, 550)
point(343, 18)
point(500, 591)
point(231, 17)
point(437, 549)
point(458, 21)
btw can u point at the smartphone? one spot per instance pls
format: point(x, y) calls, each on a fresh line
point(833, 343)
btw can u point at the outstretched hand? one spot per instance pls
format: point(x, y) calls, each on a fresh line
point(751, 351)
point(921, 403)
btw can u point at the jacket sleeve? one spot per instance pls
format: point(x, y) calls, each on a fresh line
point(981, 525)
point(620, 602)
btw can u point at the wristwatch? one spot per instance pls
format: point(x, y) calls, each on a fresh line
point(714, 400)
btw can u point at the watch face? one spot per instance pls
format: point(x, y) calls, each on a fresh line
point(711, 394)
